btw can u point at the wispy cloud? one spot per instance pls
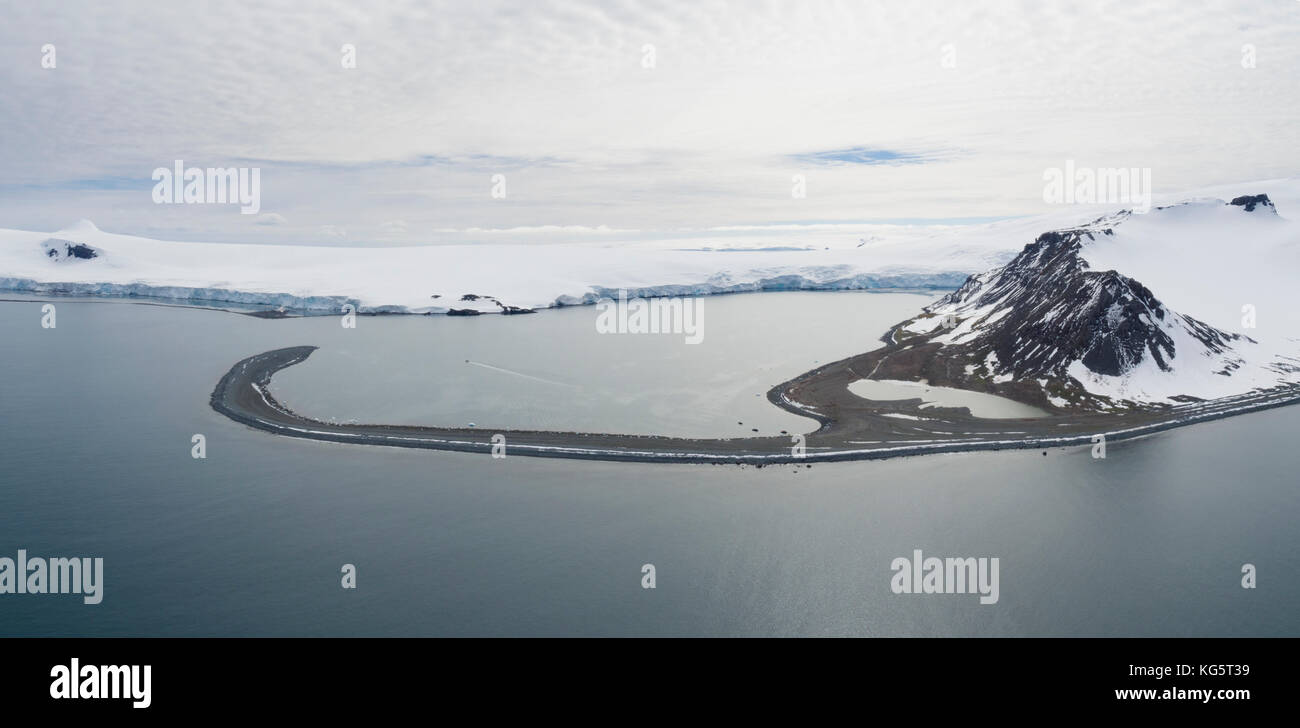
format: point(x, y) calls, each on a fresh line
point(922, 110)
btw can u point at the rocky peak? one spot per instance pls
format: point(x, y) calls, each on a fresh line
point(1250, 202)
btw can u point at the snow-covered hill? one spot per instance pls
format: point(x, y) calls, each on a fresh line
point(442, 277)
point(435, 278)
point(1186, 301)
point(83, 260)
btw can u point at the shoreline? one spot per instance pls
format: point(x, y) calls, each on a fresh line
point(847, 424)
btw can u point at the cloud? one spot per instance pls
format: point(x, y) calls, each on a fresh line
point(269, 218)
point(553, 94)
point(601, 229)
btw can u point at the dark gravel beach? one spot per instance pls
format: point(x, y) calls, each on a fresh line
point(851, 427)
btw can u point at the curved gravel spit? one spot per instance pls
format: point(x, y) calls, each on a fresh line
point(851, 428)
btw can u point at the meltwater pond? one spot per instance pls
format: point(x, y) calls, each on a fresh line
point(980, 404)
point(95, 461)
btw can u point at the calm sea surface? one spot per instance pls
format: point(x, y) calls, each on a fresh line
point(95, 443)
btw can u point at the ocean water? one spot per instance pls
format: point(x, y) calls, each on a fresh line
point(552, 370)
point(95, 460)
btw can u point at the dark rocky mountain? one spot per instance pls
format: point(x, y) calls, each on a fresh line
point(1025, 329)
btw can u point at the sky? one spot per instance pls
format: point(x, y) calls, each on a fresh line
point(625, 119)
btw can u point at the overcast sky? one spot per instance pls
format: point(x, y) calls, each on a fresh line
point(556, 96)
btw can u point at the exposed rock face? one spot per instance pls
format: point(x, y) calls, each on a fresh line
point(1051, 310)
point(61, 250)
point(505, 309)
point(1023, 329)
point(1251, 201)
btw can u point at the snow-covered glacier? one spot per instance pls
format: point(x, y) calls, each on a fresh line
point(83, 260)
point(437, 278)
